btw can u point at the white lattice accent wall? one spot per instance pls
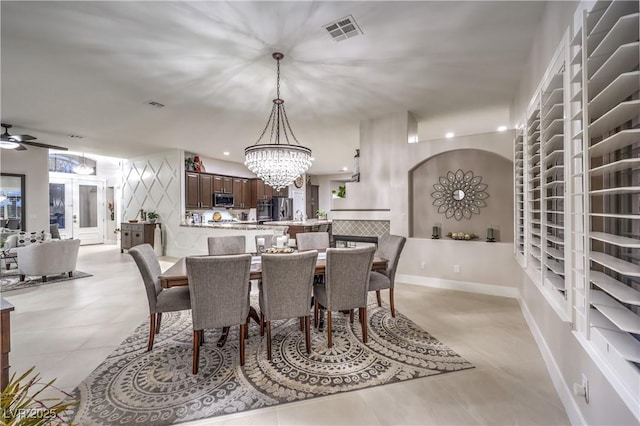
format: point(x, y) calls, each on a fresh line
point(155, 183)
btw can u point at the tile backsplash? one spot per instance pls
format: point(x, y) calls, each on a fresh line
point(365, 228)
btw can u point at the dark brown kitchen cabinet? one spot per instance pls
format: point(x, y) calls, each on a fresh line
point(284, 192)
point(260, 191)
point(312, 200)
point(133, 234)
point(246, 193)
point(198, 190)
point(223, 184)
point(241, 193)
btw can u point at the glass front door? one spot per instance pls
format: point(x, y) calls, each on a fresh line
point(77, 206)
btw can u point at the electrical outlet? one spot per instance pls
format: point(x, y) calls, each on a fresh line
point(423, 264)
point(456, 268)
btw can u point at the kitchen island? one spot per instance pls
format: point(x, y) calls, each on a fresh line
point(196, 234)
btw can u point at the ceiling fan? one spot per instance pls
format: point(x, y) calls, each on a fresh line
point(18, 142)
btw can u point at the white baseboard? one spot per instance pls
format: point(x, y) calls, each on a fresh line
point(471, 287)
point(564, 392)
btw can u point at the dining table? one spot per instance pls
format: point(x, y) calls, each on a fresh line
point(176, 276)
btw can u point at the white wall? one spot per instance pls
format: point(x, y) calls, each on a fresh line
point(34, 163)
point(557, 17)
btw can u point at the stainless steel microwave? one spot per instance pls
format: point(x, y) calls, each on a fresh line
point(223, 200)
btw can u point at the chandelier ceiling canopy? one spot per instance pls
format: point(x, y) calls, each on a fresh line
point(278, 164)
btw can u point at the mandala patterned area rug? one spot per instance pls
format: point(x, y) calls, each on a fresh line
point(133, 386)
point(10, 280)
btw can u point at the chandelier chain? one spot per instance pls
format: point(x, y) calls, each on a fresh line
point(278, 80)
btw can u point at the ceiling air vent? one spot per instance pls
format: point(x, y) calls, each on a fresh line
point(343, 29)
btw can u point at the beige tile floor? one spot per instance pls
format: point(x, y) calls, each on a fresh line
point(66, 329)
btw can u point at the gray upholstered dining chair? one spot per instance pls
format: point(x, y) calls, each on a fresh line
point(346, 285)
point(285, 291)
point(160, 299)
point(219, 290)
point(312, 240)
point(233, 244)
point(389, 247)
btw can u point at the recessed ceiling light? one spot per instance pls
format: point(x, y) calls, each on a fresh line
point(344, 169)
point(449, 135)
point(226, 153)
point(413, 139)
point(502, 128)
point(313, 159)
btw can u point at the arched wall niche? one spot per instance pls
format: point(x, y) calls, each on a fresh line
point(495, 170)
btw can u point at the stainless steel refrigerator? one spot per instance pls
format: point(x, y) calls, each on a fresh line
point(281, 208)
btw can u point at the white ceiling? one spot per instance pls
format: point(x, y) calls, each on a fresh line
point(90, 68)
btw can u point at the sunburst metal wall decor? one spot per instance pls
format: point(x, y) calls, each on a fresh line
point(460, 195)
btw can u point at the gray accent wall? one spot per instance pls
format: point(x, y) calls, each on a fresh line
point(495, 170)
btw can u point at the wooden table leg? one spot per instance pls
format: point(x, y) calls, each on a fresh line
point(223, 339)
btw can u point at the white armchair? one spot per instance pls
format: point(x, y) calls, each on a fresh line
point(49, 258)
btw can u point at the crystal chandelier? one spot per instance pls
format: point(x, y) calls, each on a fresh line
point(278, 164)
point(83, 168)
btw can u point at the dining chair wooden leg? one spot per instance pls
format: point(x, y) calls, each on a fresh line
point(378, 298)
point(70, 274)
point(201, 337)
point(392, 303)
point(301, 323)
point(307, 332)
point(243, 334)
point(152, 330)
point(269, 340)
point(196, 350)
point(261, 324)
point(329, 342)
point(363, 322)
point(246, 334)
point(315, 314)
point(158, 321)
point(351, 316)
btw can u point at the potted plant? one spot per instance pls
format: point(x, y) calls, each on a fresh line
point(152, 216)
point(189, 164)
point(321, 214)
point(22, 405)
point(341, 192)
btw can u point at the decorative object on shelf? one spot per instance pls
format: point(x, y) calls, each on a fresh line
point(341, 192)
point(460, 195)
point(278, 165)
point(356, 167)
point(462, 235)
point(189, 164)
point(490, 235)
point(198, 166)
point(152, 216)
point(321, 214)
point(83, 168)
point(435, 235)
point(133, 220)
point(299, 182)
point(143, 215)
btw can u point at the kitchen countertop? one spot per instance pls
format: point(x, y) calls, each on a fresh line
point(308, 222)
point(246, 226)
